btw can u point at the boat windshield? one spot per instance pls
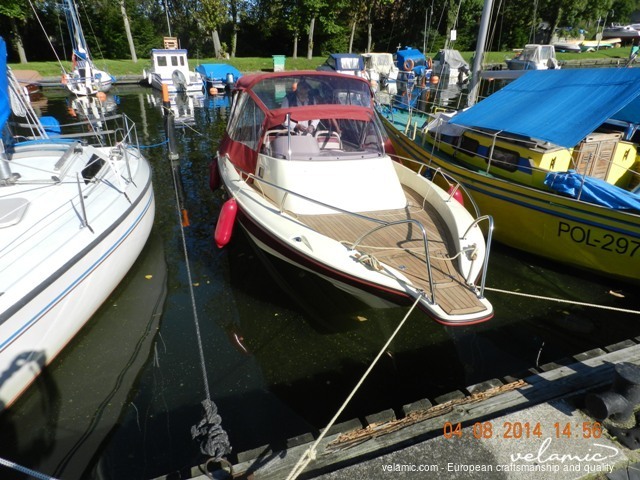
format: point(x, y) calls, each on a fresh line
point(324, 90)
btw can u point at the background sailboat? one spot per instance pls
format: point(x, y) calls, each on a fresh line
point(85, 78)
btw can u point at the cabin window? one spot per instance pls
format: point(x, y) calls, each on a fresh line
point(247, 124)
point(469, 145)
point(91, 169)
point(506, 159)
point(325, 90)
point(174, 61)
point(162, 61)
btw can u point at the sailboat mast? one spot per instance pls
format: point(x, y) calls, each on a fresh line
point(79, 43)
point(477, 59)
point(166, 12)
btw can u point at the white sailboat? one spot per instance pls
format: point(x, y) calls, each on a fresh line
point(85, 78)
point(74, 216)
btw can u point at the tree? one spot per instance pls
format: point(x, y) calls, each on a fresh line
point(373, 9)
point(127, 28)
point(212, 16)
point(17, 12)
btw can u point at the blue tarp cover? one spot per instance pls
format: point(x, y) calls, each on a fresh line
point(5, 107)
point(559, 106)
point(593, 190)
point(217, 71)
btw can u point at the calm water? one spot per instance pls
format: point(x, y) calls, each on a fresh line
point(120, 401)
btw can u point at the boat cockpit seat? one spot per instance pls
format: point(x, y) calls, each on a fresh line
point(328, 140)
point(302, 147)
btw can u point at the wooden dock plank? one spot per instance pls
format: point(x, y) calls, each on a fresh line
point(333, 450)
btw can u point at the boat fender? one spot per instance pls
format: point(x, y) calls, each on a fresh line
point(214, 175)
point(455, 192)
point(408, 64)
point(226, 220)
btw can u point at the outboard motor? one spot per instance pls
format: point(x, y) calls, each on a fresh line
point(179, 80)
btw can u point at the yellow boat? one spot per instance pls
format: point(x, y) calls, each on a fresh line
point(509, 151)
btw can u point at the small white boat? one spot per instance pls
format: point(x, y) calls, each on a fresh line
point(85, 78)
point(381, 70)
point(624, 32)
point(74, 217)
point(534, 57)
point(170, 67)
point(331, 201)
point(567, 47)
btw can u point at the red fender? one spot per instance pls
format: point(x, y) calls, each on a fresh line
point(214, 175)
point(226, 220)
point(457, 194)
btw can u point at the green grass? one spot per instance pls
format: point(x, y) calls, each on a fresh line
point(256, 64)
point(128, 67)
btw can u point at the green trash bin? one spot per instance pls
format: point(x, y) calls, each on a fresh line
point(278, 63)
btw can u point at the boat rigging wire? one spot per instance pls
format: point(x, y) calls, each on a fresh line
point(25, 470)
point(310, 453)
point(561, 300)
point(47, 36)
point(95, 37)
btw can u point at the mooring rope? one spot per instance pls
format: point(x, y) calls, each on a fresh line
point(25, 470)
point(561, 300)
point(310, 453)
point(154, 145)
point(212, 438)
point(191, 291)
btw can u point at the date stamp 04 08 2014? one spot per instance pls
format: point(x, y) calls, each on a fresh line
point(520, 430)
point(597, 458)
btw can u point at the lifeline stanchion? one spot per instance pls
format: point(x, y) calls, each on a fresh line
point(310, 453)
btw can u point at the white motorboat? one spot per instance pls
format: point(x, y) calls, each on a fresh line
point(534, 57)
point(623, 32)
point(170, 67)
point(74, 217)
point(331, 201)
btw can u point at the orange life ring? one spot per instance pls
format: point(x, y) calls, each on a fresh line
point(408, 64)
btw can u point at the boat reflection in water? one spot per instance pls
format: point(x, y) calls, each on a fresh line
point(183, 105)
point(93, 108)
point(72, 408)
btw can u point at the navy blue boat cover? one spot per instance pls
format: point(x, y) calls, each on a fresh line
point(559, 106)
point(593, 190)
